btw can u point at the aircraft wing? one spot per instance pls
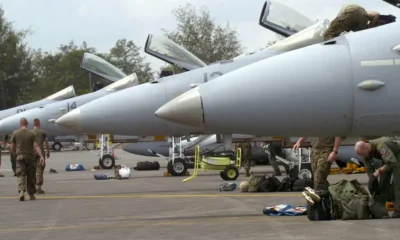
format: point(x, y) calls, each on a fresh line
point(282, 19)
point(101, 67)
point(167, 50)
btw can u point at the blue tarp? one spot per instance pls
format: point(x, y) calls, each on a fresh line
point(74, 167)
point(285, 210)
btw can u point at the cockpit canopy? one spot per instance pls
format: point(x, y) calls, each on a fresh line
point(167, 50)
point(101, 67)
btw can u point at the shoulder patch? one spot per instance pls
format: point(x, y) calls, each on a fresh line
point(383, 151)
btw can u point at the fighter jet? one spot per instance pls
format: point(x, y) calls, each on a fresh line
point(63, 94)
point(347, 86)
point(137, 105)
point(50, 112)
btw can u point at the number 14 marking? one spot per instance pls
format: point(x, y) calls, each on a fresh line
point(71, 106)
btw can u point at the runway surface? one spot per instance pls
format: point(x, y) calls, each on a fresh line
point(151, 206)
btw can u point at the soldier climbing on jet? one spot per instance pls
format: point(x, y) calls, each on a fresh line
point(353, 18)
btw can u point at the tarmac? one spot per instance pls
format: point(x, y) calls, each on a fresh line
point(151, 206)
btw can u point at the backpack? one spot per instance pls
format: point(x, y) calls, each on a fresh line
point(299, 184)
point(321, 210)
point(254, 183)
point(269, 184)
point(285, 185)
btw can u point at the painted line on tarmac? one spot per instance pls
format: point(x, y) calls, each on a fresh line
point(244, 195)
point(147, 223)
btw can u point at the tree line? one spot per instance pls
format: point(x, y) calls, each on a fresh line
point(28, 74)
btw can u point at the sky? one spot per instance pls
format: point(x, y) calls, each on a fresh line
point(102, 22)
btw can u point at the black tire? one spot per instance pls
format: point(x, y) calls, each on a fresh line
point(179, 168)
point(107, 162)
point(231, 173)
point(56, 147)
point(222, 174)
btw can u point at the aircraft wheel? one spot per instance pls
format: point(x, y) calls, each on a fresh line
point(107, 162)
point(231, 173)
point(56, 147)
point(179, 168)
point(222, 174)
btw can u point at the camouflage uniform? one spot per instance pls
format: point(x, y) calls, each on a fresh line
point(275, 148)
point(246, 155)
point(389, 153)
point(41, 136)
point(351, 18)
point(13, 163)
point(320, 167)
point(24, 139)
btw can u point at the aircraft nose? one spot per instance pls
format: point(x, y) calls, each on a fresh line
point(186, 109)
point(71, 120)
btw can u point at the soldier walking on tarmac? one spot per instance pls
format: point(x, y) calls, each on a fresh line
point(42, 138)
point(246, 155)
point(275, 148)
point(23, 146)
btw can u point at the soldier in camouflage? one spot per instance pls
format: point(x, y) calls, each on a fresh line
point(275, 148)
point(23, 146)
point(323, 153)
point(389, 153)
point(246, 155)
point(42, 138)
point(351, 18)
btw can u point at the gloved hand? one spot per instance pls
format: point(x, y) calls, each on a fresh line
point(373, 185)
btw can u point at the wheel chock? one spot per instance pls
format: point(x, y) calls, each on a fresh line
point(348, 171)
point(166, 174)
point(389, 206)
point(335, 171)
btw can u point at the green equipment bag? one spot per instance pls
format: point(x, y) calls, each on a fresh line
point(254, 183)
point(355, 208)
point(343, 190)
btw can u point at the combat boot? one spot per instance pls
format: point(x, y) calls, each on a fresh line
point(21, 196)
point(396, 214)
point(247, 174)
point(39, 190)
point(1, 175)
point(32, 197)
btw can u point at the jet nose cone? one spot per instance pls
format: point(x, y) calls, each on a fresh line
point(71, 120)
point(185, 109)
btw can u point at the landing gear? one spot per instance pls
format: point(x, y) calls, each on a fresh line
point(107, 161)
point(178, 168)
point(56, 147)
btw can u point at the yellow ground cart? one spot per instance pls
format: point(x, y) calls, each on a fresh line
point(223, 161)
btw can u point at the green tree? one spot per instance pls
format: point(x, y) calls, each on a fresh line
point(16, 71)
point(55, 71)
point(199, 34)
point(126, 56)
